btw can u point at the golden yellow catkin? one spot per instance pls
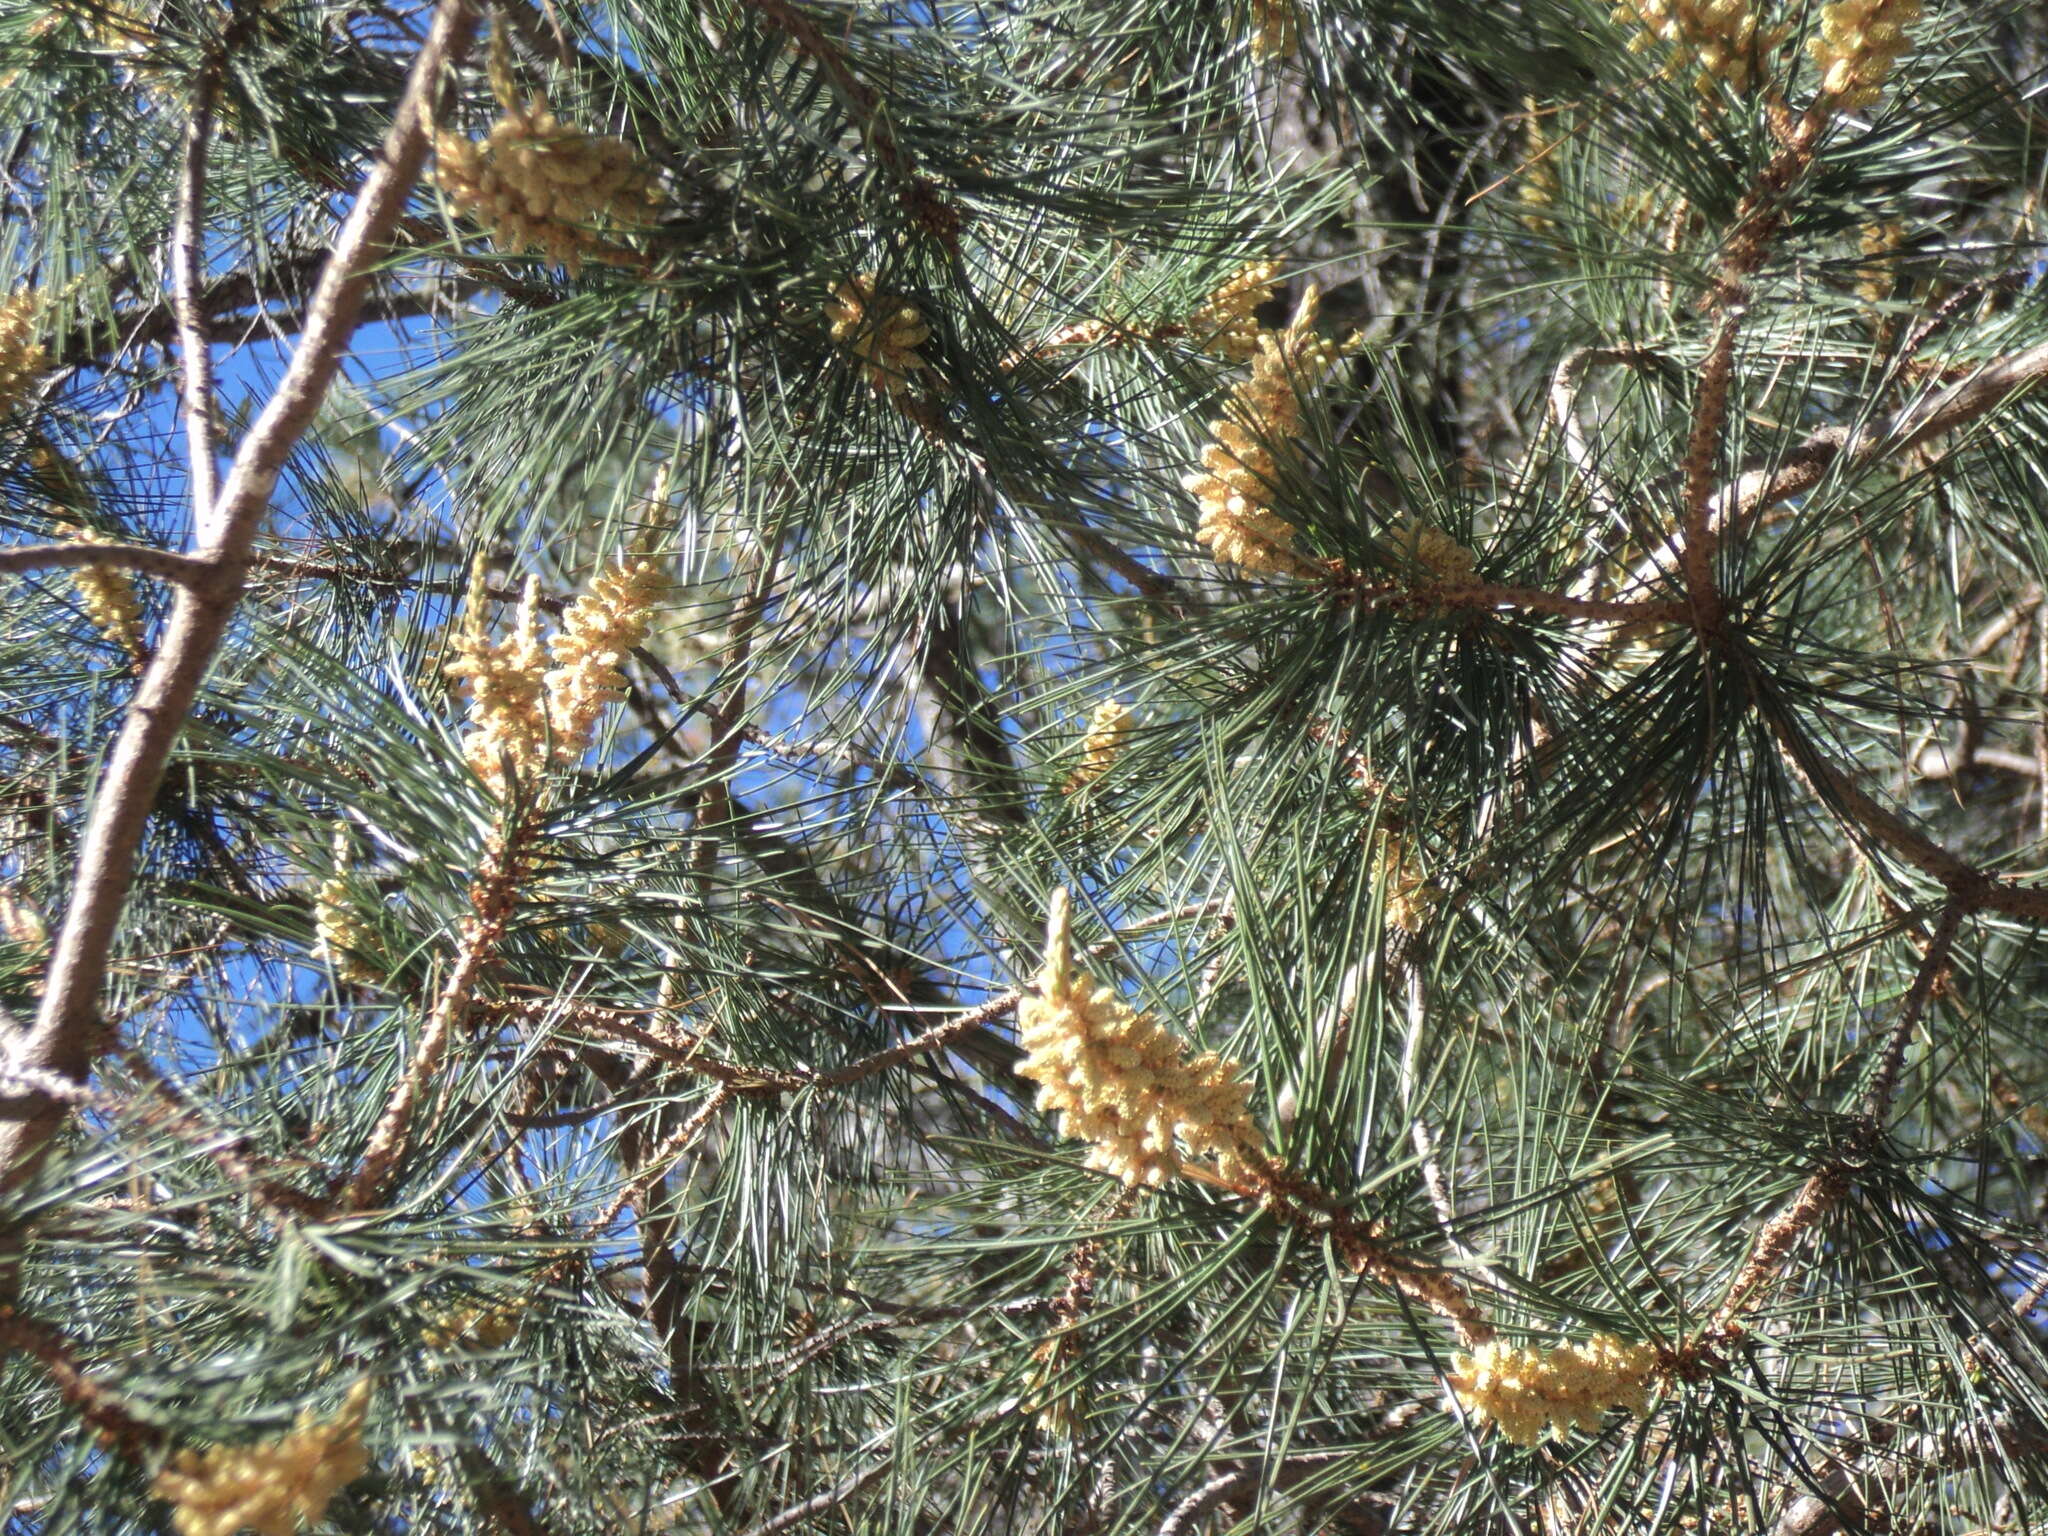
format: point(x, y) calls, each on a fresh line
point(108, 597)
point(1720, 39)
point(1876, 275)
point(23, 359)
point(340, 936)
point(1237, 523)
point(598, 631)
point(489, 1327)
point(1225, 322)
point(1123, 1082)
point(539, 184)
point(530, 714)
point(1407, 893)
point(1275, 29)
point(1526, 1392)
point(504, 682)
point(1442, 559)
point(1858, 43)
point(883, 330)
point(1109, 729)
point(1541, 185)
point(272, 1488)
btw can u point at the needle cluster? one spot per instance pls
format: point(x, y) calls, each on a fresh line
point(271, 1488)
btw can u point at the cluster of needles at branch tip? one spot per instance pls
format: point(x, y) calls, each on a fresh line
point(23, 359)
point(340, 936)
point(1858, 43)
point(1526, 1392)
point(1109, 730)
point(539, 184)
point(109, 598)
point(1720, 39)
point(269, 1488)
point(1123, 1082)
point(530, 715)
point(1238, 524)
point(883, 330)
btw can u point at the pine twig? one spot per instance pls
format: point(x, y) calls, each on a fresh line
point(491, 898)
point(190, 570)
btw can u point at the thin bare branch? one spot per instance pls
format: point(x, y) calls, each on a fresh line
point(166, 563)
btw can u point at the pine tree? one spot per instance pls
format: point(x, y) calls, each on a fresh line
point(810, 765)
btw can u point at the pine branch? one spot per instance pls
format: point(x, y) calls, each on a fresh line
point(188, 570)
point(67, 1035)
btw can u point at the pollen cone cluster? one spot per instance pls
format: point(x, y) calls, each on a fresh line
point(529, 714)
point(539, 184)
point(1109, 729)
point(1528, 1391)
point(1124, 1083)
point(882, 330)
point(270, 1489)
point(1541, 184)
point(503, 681)
point(1224, 322)
point(474, 1327)
point(598, 631)
point(108, 597)
point(23, 361)
point(341, 937)
point(1858, 43)
point(1237, 523)
point(1407, 892)
point(1442, 558)
point(1275, 29)
point(1720, 38)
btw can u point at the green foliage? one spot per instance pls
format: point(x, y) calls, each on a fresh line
point(1574, 923)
